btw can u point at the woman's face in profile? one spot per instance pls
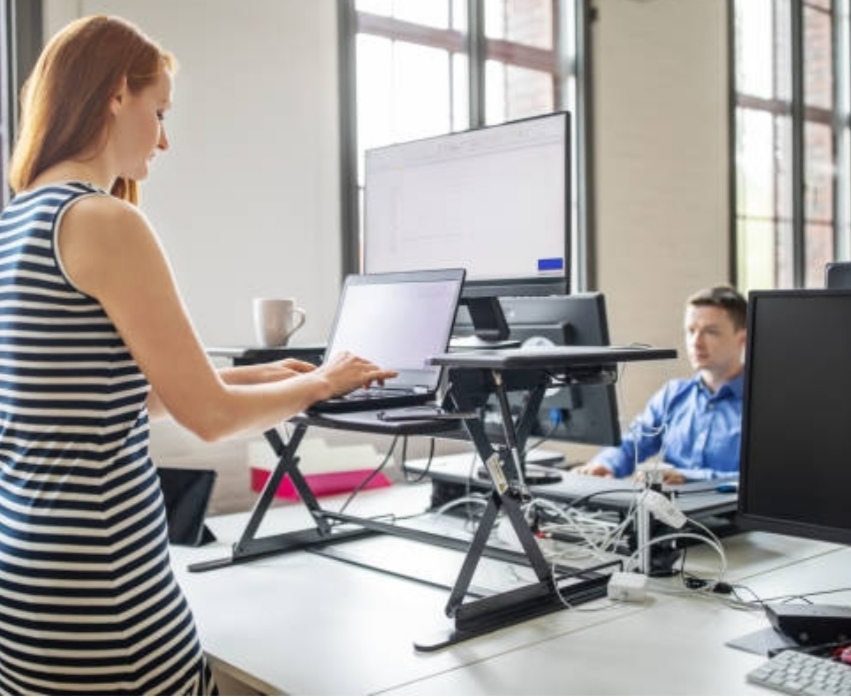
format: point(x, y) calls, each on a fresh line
point(138, 131)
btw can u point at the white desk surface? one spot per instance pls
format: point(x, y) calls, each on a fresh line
point(302, 623)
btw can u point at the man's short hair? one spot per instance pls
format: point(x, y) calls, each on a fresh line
point(726, 298)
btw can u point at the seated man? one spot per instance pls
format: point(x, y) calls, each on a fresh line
point(695, 424)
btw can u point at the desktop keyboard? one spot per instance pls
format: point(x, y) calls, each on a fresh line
point(584, 485)
point(798, 673)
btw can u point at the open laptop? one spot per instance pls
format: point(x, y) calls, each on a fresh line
point(398, 321)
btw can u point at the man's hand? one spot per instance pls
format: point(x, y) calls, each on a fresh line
point(670, 475)
point(593, 468)
point(673, 476)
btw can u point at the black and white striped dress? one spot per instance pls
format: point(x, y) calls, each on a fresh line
point(88, 602)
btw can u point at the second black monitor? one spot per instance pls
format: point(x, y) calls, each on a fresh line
point(796, 442)
point(586, 414)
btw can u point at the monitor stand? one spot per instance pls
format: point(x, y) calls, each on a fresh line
point(489, 325)
point(473, 343)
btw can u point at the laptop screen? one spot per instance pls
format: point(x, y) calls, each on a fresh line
point(398, 320)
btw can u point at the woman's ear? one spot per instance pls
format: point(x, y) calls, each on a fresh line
point(118, 96)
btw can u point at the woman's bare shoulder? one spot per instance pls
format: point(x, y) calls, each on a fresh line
point(102, 213)
point(104, 241)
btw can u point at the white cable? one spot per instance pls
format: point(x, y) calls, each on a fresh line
point(628, 566)
point(641, 430)
point(572, 523)
point(575, 521)
point(620, 393)
point(597, 538)
point(708, 532)
point(463, 500)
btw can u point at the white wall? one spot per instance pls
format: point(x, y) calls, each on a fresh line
point(662, 170)
point(247, 199)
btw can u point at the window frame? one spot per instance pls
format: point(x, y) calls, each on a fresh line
point(21, 29)
point(801, 116)
point(479, 49)
point(5, 101)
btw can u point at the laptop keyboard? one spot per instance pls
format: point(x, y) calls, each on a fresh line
point(371, 393)
point(372, 398)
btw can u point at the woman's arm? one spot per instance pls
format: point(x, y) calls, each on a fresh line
point(243, 375)
point(110, 252)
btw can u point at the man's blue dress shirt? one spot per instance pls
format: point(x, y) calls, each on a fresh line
point(688, 426)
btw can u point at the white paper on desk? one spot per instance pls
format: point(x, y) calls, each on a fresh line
point(317, 457)
point(762, 641)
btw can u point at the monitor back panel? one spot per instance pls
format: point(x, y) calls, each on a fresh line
point(837, 275)
point(585, 414)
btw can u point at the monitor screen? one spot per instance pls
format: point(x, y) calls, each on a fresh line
point(796, 440)
point(495, 200)
point(585, 414)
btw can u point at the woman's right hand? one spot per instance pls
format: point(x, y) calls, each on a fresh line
point(345, 372)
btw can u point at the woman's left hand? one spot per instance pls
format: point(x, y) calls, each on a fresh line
point(266, 372)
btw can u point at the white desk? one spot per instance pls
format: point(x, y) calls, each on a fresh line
point(305, 624)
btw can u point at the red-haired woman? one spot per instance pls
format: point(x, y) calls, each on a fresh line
point(94, 341)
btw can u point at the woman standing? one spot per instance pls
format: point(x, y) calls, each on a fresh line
point(94, 341)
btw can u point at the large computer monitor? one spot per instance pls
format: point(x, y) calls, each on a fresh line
point(495, 200)
point(796, 442)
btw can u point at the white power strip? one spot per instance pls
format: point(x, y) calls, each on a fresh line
point(627, 586)
point(664, 509)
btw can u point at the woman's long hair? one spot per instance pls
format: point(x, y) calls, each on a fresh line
point(65, 101)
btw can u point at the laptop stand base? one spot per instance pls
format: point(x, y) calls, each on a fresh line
point(485, 616)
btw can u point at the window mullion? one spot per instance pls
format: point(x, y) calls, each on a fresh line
point(585, 236)
point(841, 19)
point(349, 190)
point(798, 150)
point(476, 50)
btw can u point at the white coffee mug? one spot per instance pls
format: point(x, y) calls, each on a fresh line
point(275, 320)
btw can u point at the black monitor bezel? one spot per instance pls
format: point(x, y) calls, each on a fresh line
point(747, 516)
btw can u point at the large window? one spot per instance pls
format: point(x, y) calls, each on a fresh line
point(20, 44)
point(427, 67)
point(792, 140)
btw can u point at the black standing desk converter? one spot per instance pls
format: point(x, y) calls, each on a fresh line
point(249, 355)
point(558, 359)
point(473, 377)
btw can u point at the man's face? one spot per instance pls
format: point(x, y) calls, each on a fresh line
point(713, 342)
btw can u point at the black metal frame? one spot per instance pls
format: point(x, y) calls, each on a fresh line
point(556, 587)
